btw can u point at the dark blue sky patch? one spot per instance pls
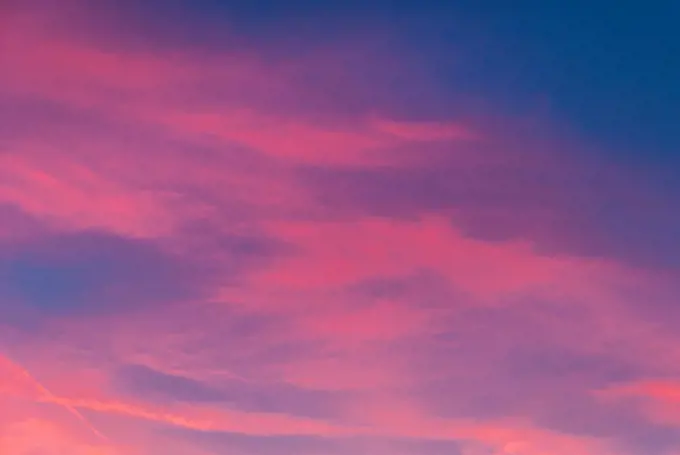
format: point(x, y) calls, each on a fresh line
point(94, 272)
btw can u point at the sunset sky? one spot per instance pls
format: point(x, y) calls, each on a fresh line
point(339, 227)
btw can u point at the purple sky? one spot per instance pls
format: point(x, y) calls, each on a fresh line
point(230, 228)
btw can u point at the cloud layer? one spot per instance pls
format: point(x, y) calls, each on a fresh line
point(228, 244)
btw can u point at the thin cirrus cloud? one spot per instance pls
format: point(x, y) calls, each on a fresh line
point(230, 243)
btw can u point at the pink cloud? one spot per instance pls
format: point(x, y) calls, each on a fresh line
point(74, 197)
point(658, 399)
point(340, 254)
point(44, 437)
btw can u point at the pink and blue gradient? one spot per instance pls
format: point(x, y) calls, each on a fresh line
point(228, 236)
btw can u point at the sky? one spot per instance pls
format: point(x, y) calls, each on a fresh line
point(339, 228)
